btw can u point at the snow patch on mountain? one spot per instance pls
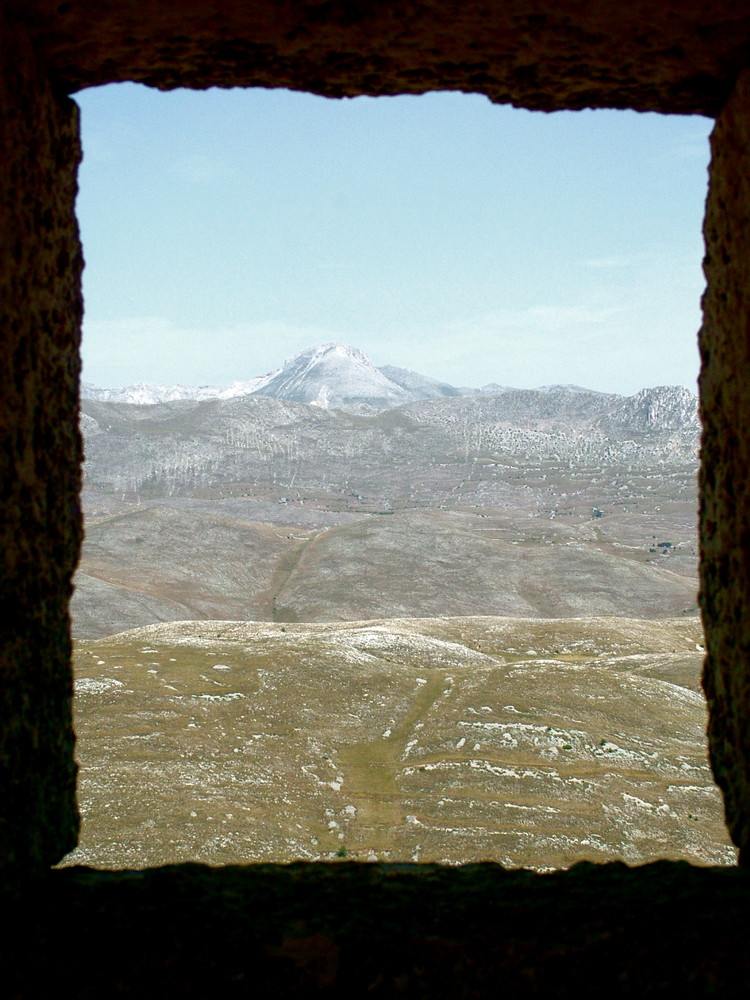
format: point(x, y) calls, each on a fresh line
point(146, 394)
point(335, 376)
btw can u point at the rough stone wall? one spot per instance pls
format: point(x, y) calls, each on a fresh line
point(725, 476)
point(382, 932)
point(674, 57)
point(678, 56)
point(40, 311)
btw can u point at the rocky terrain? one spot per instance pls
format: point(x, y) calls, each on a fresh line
point(288, 642)
point(550, 502)
point(529, 742)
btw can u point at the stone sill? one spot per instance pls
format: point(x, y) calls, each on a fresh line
point(352, 930)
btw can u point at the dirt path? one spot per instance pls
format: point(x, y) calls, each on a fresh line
point(371, 769)
point(286, 566)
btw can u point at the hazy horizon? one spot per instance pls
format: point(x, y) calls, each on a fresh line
point(225, 231)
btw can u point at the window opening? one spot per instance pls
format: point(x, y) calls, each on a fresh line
point(473, 627)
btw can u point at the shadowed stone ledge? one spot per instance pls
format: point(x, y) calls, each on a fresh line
point(544, 54)
point(305, 930)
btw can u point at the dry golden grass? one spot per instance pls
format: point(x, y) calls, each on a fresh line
point(526, 741)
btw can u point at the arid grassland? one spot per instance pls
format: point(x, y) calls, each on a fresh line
point(528, 742)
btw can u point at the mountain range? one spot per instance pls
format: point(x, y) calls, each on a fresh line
point(328, 375)
point(551, 501)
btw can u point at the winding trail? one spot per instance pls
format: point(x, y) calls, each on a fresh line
point(371, 768)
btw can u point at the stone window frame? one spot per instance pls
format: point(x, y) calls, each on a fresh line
point(560, 58)
point(303, 930)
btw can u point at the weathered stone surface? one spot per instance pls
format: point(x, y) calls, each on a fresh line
point(390, 931)
point(547, 54)
point(40, 309)
point(725, 478)
point(356, 930)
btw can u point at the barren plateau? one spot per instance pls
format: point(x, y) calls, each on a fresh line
point(529, 742)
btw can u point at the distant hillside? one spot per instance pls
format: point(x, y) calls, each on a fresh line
point(546, 502)
point(170, 448)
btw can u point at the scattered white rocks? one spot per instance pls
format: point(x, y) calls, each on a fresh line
point(230, 696)
point(97, 685)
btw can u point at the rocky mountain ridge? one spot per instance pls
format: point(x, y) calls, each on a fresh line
point(550, 502)
point(169, 448)
point(328, 375)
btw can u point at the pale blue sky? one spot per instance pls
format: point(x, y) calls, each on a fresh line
point(226, 230)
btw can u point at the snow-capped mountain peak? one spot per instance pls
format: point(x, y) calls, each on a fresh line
point(326, 375)
point(335, 375)
point(332, 375)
